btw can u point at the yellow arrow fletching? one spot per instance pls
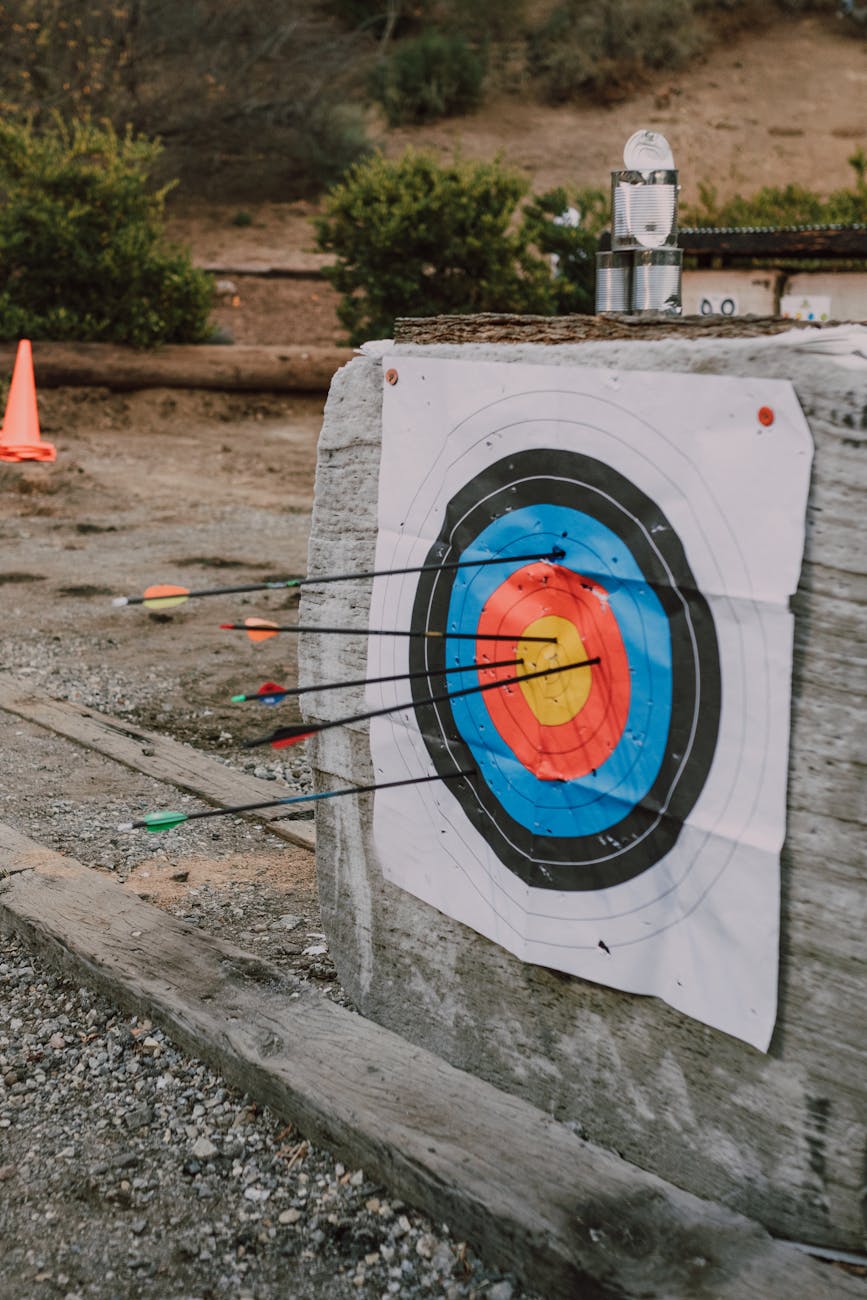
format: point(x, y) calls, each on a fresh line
point(164, 596)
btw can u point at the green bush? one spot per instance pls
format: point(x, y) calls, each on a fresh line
point(82, 254)
point(791, 205)
point(415, 238)
point(433, 75)
point(602, 48)
point(572, 248)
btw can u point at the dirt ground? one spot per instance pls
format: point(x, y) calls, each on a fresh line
point(786, 104)
point(195, 488)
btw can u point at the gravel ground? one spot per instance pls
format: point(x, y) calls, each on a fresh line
point(128, 1169)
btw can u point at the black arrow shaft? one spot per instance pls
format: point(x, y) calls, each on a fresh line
point(556, 553)
point(374, 681)
point(287, 733)
point(312, 798)
point(375, 631)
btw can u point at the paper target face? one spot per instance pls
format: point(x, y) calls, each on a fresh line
point(623, 808)
point(585, 777)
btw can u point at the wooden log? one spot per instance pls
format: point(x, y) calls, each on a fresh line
point(234, 367)
point(570, 1218)
point(796, 243)
point(779, 1137)
point(156, 756)
point(308, 269)
point(494, 328)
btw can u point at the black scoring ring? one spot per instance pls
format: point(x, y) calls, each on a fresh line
point(649, 829)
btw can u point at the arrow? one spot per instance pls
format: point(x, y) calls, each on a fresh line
point(165, 821)
point(166, 596)
point(260, 629)
point(285, 736)
point(271, 693)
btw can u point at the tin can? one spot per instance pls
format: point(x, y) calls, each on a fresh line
point(613, 282)
point(656, 280)
point(644, 209)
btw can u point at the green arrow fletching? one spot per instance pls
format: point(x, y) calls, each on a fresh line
point(162, 821)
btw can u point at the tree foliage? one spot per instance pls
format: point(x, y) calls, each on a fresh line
point(789, 205)
point(569, 244)
point(244, 92)
point(82, 253)
point(415, 238)
point(435, 75)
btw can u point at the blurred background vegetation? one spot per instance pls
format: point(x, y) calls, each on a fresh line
point(263, 99)
point(102, 104)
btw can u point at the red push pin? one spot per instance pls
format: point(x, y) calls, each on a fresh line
point(766, 416)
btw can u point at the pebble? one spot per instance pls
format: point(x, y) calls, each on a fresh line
point(120, 1188)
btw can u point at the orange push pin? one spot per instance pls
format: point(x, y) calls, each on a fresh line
point(766, 416)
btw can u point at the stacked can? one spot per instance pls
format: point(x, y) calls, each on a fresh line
point(642, 273)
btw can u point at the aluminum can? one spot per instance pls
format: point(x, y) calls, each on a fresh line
point(644, 209)
point(656, 280)
point(613, 282)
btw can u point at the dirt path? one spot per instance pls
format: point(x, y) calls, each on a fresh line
point(194, 488)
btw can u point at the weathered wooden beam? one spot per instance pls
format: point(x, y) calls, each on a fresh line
point(492, 328)
point(155, 755)
point(268, 271)
point(567, 1216)
point(232, 367)
point(793, 244)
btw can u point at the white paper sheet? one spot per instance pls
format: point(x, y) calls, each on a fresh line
point(682, 501)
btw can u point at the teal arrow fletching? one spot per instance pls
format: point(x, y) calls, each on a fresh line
point(162, 821)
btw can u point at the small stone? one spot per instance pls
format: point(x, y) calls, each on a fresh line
point(138, 1117)
point(6, 1172)
point(372, 1205)
point(426, 1245)
point(289, 1216)
point(203, 1149)
point(57, 1041)
point(288, 921)
point(138, 1226)
point(500, 1291)
point(442, 1259)
point(357, 1178)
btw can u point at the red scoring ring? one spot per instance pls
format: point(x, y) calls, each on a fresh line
point(574, 748)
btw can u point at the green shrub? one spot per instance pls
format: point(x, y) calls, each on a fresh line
point(82, 254)
point(602, 48)
point(415, 238)
point(572, 248)
point(433, 75)
point(334, 136)
point(791, 205)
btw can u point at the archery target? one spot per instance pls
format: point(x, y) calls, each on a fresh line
point(621, 816)
point(597, 793)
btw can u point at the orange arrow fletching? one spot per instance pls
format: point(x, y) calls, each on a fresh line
point(259, 629)
point(164, 596)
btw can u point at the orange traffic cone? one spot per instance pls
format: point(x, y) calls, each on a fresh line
point(19, 437)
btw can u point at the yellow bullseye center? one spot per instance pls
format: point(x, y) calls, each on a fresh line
point(557, 698)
